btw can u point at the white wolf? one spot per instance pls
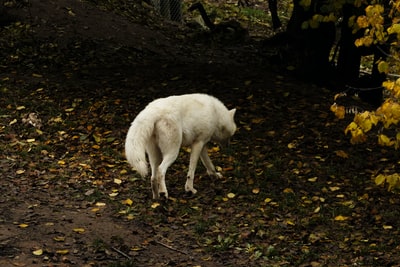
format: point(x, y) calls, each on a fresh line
point(168, 123)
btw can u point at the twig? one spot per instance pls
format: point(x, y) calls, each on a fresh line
point(122, 253)
point(172, 248)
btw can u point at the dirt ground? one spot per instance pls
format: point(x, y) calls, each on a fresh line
point(294, 192)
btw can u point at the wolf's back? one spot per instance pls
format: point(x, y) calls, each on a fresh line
point(136, 141)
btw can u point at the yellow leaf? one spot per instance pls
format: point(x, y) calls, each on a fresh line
point(214, 149)
point(393, 181)
point(291, 145)
point(59, 238)
point(128, 202)
point(23, 225)
point(155, 205)
point(339, 111)
point(342, 154)
point(38, 252)
point(97, 137)
point(267, 200)
point(62, 251)
point(380, 179)
point(114, 194)
point(117, 181)
point(313, 179)
point(230, 195)
point(341, 218)
point(289, 222)
point(20, 171)
point(79, 230)
point(362, 22)
point(13, 122)
point(387, 227)
point(383, 140)
point(383, 67)
point(100, 204)
point(255, 190)
point(288, 191)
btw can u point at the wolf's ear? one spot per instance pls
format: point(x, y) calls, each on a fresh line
point(232, 112)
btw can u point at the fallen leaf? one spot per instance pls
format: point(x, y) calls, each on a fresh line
point(341, 218)
point(59, 238)
point(37, 252)
point(155, 205)
point(128, 202)
point(62, 251)
point(230, 195)
point(23, 225)
point(342, 154)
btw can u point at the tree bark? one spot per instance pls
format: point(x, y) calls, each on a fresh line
point(312, 46)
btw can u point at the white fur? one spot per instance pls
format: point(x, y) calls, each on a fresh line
point(168, 123)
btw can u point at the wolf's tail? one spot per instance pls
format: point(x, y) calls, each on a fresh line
point(135, 145)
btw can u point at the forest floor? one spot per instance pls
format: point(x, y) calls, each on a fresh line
point(294, 192)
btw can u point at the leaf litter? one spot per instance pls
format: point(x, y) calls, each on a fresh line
point(294, 192)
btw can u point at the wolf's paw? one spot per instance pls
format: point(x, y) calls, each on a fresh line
point(214, 174)
point(190, 190)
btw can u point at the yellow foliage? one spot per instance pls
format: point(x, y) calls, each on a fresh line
point(338, 110)
point(383, 140)
point(362, 22)
point(392, 181)
point(364, 41)
point(380, 179)
point(376, 30)
point(374, 12)
point(383, 67)
point(357, 134)
point(365, 120)
point(394, 29)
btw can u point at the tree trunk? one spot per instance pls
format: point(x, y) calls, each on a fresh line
point(348, 64)
point(312, 46)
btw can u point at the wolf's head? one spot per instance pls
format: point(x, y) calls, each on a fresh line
point(226, 128)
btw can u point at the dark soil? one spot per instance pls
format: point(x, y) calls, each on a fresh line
point(294, 192)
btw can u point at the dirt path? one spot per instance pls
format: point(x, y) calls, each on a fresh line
point(295, 193)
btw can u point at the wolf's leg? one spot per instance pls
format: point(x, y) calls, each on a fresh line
point(194, 158)
point(154, 154)
point(208, 164)
point(169, 140)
